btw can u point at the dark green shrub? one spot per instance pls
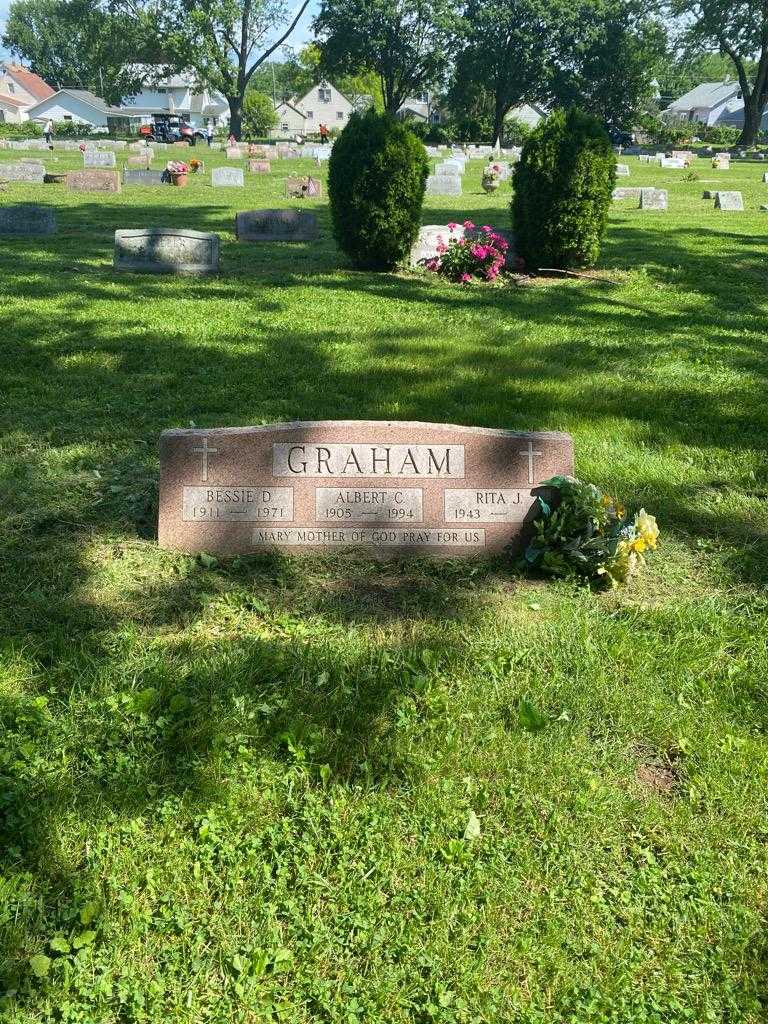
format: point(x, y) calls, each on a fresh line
point(376, 179)
point(563, 187)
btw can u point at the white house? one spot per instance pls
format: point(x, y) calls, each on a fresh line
point(323, 104)
point(420, 108)
point(711, 103)
point(529, 113)
point(77, 105)
point(176, 94)
point(19, 90)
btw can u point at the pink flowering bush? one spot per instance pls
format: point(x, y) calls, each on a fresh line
point(481, 254)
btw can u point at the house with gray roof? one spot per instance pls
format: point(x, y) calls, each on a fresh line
point(711, 103)
point(77, 105)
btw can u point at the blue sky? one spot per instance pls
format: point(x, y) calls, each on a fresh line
point(299, 37)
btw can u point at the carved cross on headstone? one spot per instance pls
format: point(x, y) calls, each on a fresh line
point(530, 451)
point(204, 452)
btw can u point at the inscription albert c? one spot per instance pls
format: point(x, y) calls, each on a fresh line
point(366, 460)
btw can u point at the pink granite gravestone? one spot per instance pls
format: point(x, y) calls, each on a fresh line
point(386, 487)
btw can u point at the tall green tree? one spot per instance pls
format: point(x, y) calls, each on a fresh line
point(739, 30)
point(610, 54)
point(225, 41)
point(258, 113)
point(506, 51)
point(81, 44)
point(405, 42)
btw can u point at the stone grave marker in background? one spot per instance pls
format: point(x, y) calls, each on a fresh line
point(259, 166)
point(654, 199)
point(672, 164)
point(304, 188)
point(139, 161)
point(227, 177)
point(93, 181)
point(622, 170)
point(32, 173)
point(275, 226)
point(444, 185)
point(166, 251)
point(95, 158)
point(143, 177)
point(765, 179)
point(26, 219)
point(386, 487)
point(729, 201)
point(233, 153)
point(626, 193)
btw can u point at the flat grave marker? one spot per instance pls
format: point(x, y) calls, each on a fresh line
point(227, 177)
point(386, 487)
point(275, 226)
point(93, 181)
point(430, 236)
point(32, 173)
point(443, 185)
point(143, 177)
point(729, 201)
point(166, 251)
point(303, 188)
point(97, 158)
point(654, 199)
point(27, 219)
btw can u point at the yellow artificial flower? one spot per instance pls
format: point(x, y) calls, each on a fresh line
point(647, 530)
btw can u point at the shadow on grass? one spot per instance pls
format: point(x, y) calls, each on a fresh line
point(84, 401)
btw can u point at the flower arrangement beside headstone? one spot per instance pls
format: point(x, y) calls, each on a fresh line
point(177, 172)
point(588, 534)
point(464, 258)
point(196, 166)
point(491, 177)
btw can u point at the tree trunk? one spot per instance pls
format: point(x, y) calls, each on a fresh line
point(235, 115)
point(753, 116)
point(499, 113)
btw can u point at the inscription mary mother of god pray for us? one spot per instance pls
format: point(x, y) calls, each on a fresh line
point(384, 486)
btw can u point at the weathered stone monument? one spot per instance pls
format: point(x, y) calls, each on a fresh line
point(93, 181)
point(227, 177)
point(430, 236)
point(654, 199)
point(97, 158)
point(143, 177)
point(626, 193)
point(304, 188)
point(622, 170)
point(259, 166)
point(387, 487)
point(166, 251)
point(729, 201)
point(443, 185)
point(32, 173)
point(275, 226)
point(27, 219)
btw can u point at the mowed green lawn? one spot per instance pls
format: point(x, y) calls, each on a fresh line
point(239, 791)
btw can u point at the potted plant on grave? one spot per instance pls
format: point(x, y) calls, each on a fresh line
point(195, 166)
point(491, 177)
point(178, 172)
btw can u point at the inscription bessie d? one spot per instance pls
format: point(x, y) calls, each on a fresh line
point(384, 486)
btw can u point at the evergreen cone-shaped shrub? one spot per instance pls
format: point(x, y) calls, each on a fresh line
point(563, 185)
point(376, 180)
